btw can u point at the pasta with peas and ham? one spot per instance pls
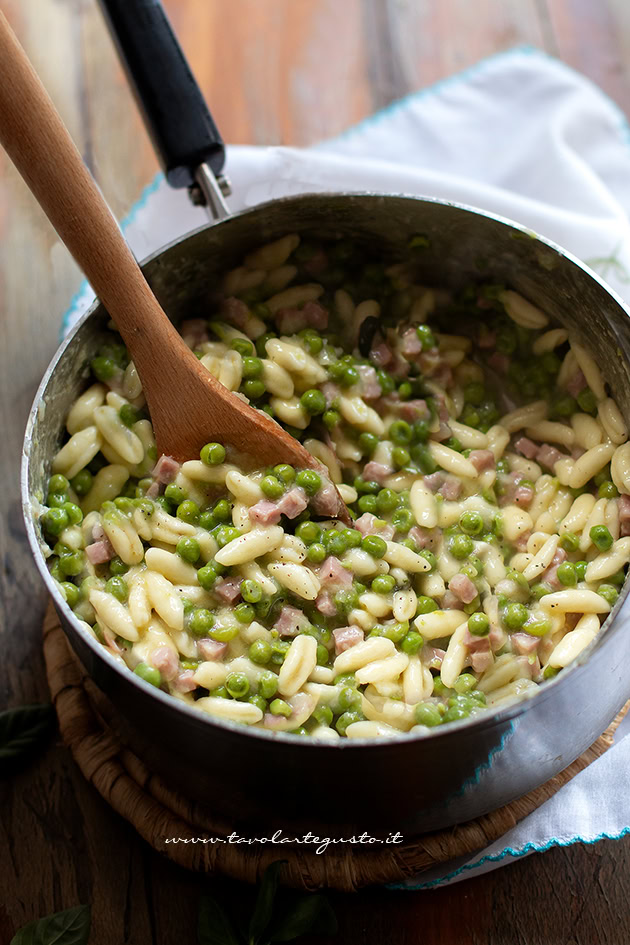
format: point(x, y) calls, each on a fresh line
point(484, 462)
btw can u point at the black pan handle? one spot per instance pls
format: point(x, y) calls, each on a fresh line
point(174, 111)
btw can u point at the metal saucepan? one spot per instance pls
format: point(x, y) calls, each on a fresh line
point(256, 779)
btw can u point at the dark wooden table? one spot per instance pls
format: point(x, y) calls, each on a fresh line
point(275, 71)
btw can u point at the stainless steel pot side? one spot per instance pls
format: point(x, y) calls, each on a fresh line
point(257, 780)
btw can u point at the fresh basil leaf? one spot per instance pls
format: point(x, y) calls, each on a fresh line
point(263, 909)
point(71, 927)
point(310, 913)
point(21, 731)
point(213, 926)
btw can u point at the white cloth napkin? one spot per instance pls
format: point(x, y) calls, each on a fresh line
point(519, 134)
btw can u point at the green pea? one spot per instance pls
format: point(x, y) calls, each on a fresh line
point(471, 523)
point(423, 459)
point(383, 584)
point(253, 389)
point(237, 684)
point(366, 486)
point(258, 701)
point(353, 537)
point(207, 576)
point(569, 541)
point(225, 534)
point(260, 652)
point(118, 587)
point(309, 480)
point(118, 566)
point(251, 591)
point(349, 699)
point(367, 503)
point(538, 626)
point(149, 673)
point(427, 713)
point(347, 719)
point(386, 501)
point(412, 642)
point(103, 368)
point(419, 432)
point(400, 457)
point(279, 650)
point(425, 605)
point(71, 592)
point(374, 545)
point(331, 418)
point(222, 511)
point(75, 515)
point(618, 577)
point(316, 553)
point(313, 342)
point(201, 622)
point(261, 343)
point(335, 542)
point(280, 707)
point(405, 390)
point(188, 549)
point(346, 600)
point(368, 443)
point(272, 487)
point(188, 511)
point(607, 490)
point(220, 693)
point(479, 624)
point(175, 493)
point(426, 336)
point(438, 686)
point(212, 454)
point(82, 482)
point(244, 613)
point(460, 546)
point(474, 393)
point(73, 563)
point(244, 347)
point(601, 537)
point(456, 712)
point(129, 414)
point(268, 684)
point(609, 593)
point(515, 616)
point(564, 406)
point(503, 466)
point(313, 402)
point(587, 401)
point(323, 715)
point(566, 574)
point(350, 377)
point(400, 433)
point(322, 655)
point(223, 634)
point(58, 484)
point(465, 683)
point(55, 520)
point(252, 367)
point(284, 472)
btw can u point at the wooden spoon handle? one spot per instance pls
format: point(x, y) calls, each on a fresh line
point(41, 148)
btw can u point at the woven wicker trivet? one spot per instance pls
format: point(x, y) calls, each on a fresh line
point(87, 721)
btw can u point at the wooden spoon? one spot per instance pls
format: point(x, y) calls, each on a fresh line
point(188, 406)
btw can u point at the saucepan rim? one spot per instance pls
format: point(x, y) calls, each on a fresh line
point(486, 720)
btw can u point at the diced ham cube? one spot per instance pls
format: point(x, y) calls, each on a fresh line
point(99, 552)
point(265, 512)
point(290, 320)
point(185, 682)
point(211, 649)
point(576, 384)
point(369, 524)
point(521, 542)
point(235, 312)
point(370, 387)
point(451, 489)
point(376, 472)
point(411, 344)
point(333, 572)
point(451, 601)
point(550, 576)
point(482, 459)
point(497, 637)
point(229, 589)
point(432, 656)
point(154, 490)
point(316, 316)
point(577, 451)
point(165, 659)
point(292, 502)
point(434, 481)
point(325, 604)
point(424, 537)
point(529, 666)
point(326, 501)
point(548, 456)
point(166, 469)
point(331, 392)
point(381, 355)
point(345, 637)
point(526, 447)
point(524, 643)
point(463, 588)
point(480, 651)
point(523, 496)
point(194, 331)
point(291, 621)
point(98, 532)
point(624, 515)
point(412, 410)
point(487, 339)
point(499, 362)
point(316, 264)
